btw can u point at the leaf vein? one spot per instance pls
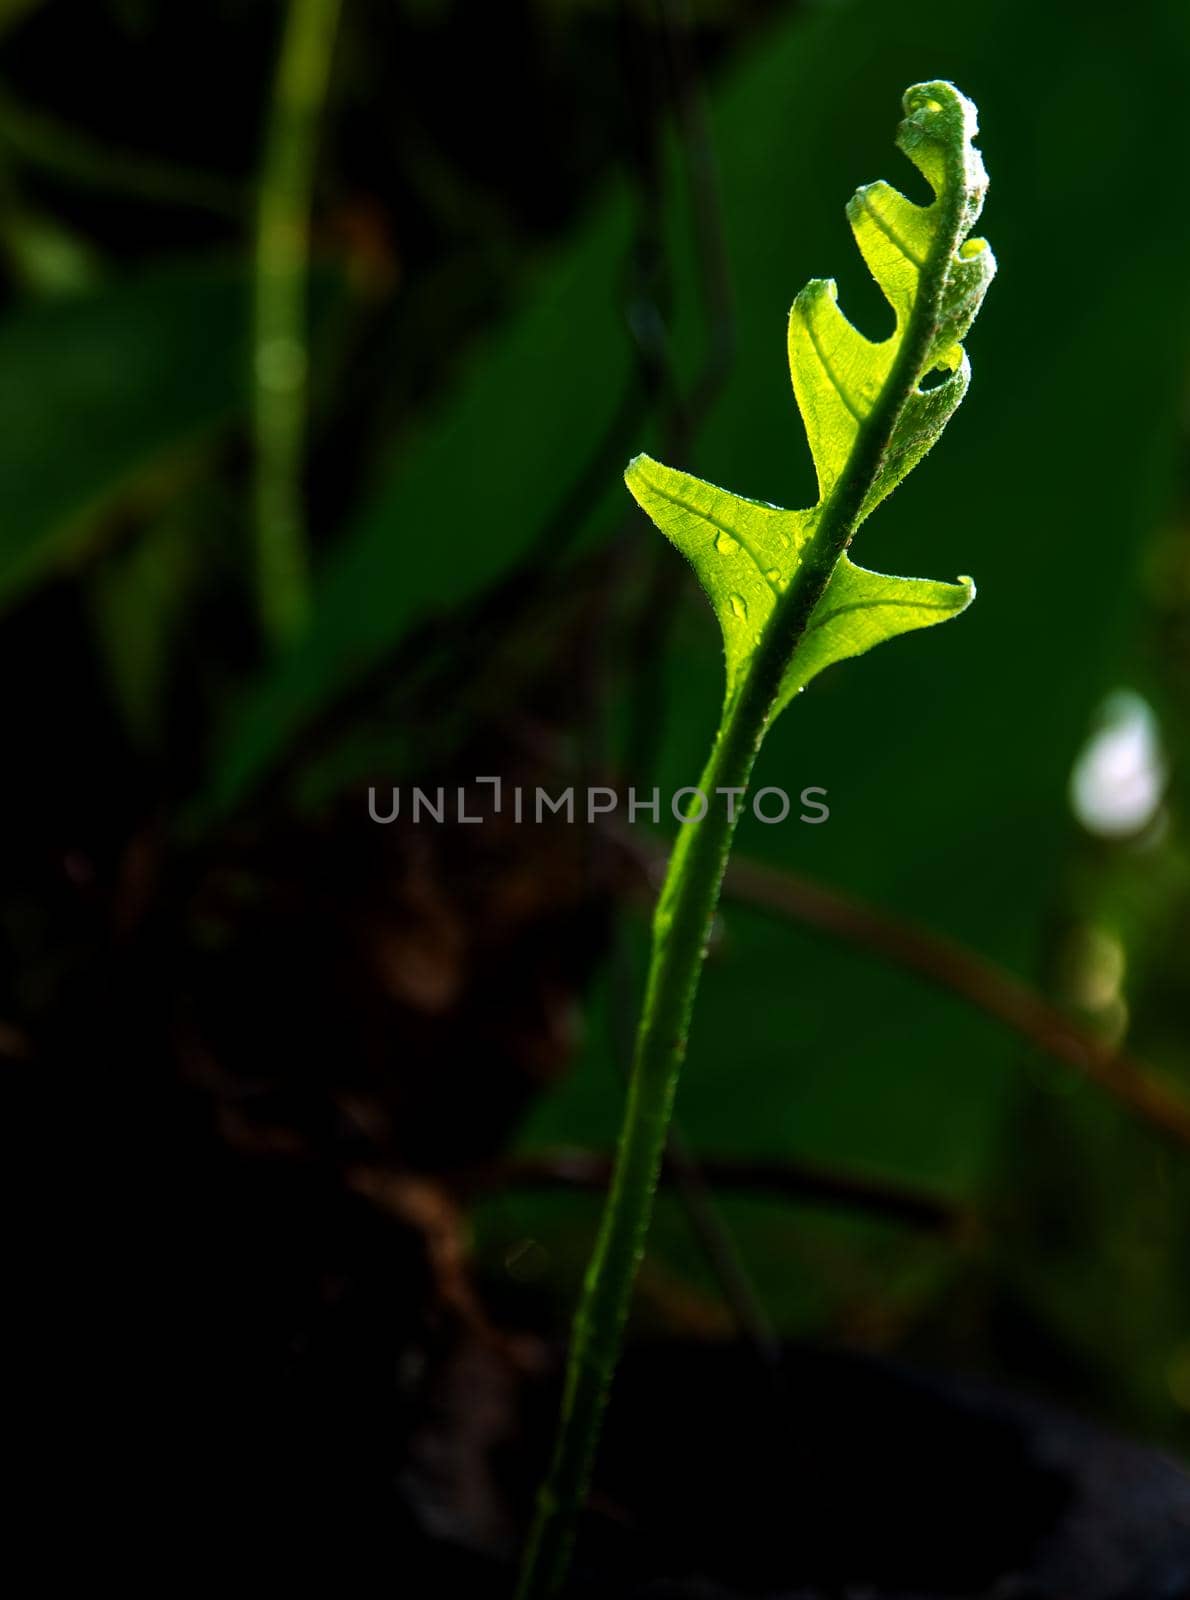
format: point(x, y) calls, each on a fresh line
point(723, 527)
point(891, 234)
point(875, 605)
point(824, 361)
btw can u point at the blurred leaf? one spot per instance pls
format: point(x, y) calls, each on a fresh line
point(138, 599)
point(44, 256)
point(454, 488)
point(96, 392)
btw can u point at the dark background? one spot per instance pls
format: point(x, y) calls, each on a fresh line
point(330, 1065)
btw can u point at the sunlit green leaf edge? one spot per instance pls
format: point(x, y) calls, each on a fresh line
point(746, 553)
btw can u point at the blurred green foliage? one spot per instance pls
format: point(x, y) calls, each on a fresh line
point(103, 391)
point(500, 345)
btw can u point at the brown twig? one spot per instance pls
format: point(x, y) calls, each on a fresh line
point(950, 966)
point(786, 1180)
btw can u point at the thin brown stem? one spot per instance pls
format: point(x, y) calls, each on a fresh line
point(981, 982)
point(798, 1181)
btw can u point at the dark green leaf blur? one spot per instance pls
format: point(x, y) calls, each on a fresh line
point(288, 516)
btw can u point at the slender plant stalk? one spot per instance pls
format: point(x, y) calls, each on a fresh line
point(681, 925)
point(280, 345)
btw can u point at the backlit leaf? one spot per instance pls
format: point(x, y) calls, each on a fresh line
point(867, 417)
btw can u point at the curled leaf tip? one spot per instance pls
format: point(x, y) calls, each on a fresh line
point(937, 134)
point(869, 411)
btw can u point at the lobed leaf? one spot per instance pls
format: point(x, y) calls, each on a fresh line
point(744, 552)
point(101, 390)
point(860, 609)
point(867, 417)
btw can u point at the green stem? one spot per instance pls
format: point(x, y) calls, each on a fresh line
point(681, 925)
point(280, 347)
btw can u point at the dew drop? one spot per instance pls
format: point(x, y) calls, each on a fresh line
point(773, 575)
point(726, 545)
point(740, 606)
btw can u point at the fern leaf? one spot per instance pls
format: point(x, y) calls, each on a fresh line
point(868, 420)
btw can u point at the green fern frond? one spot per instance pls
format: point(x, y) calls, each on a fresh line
point(867, 417)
